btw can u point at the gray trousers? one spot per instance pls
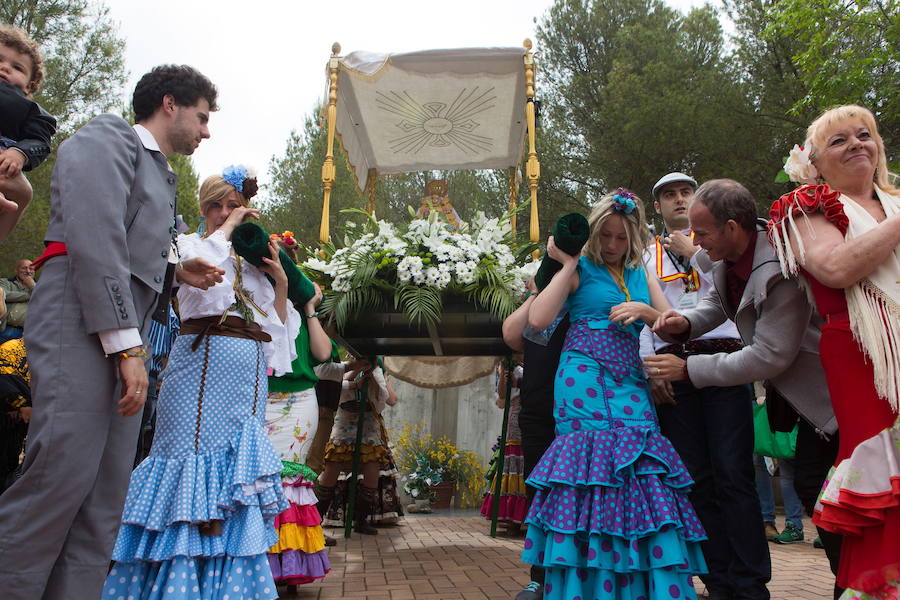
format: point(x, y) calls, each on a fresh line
point(59, 521)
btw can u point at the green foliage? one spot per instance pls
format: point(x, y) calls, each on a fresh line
point(847, 51)
point(419, 303)
point(188, 202)
point(638, 90)
point(84, 66)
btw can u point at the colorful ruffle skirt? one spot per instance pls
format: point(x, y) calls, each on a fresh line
point(299, 556)
point(200, 510)
point(513, 502)
point(611, 517)
point(861, 500)
point(861, 496)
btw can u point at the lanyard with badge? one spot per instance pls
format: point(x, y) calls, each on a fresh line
point(690, 278)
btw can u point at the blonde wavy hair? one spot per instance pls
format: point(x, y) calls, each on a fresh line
point(635, 229)
point(215, 189)
point(816, 134)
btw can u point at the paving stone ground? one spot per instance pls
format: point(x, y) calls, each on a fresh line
point(450, 556)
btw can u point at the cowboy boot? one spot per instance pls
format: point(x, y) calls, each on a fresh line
point(325, 494)
point(366, 504)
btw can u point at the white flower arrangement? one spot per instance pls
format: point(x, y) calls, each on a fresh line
point(799, 167)
point(477, 259)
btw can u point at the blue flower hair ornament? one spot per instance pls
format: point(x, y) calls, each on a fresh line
point(242, 179)
point(624, 201)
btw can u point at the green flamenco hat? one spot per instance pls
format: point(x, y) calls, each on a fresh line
point(251, 242)
point(570, 233)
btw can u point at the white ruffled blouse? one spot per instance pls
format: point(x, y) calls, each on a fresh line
point(195, 303)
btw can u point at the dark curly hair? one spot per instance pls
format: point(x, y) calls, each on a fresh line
point(186, 84)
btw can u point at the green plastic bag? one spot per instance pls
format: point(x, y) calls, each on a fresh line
point(779, 444)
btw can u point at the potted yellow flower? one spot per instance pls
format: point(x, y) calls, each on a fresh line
point(454, 473)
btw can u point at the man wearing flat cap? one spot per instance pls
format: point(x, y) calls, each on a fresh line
point(711, 428)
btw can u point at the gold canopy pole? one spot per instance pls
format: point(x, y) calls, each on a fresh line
point(328, 171)
point(532, 166)
point(371, 180)
point(513, 192)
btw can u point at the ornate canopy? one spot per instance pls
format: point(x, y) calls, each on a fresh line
point(436, 109)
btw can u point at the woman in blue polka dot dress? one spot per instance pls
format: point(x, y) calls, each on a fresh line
point(199, 516)
point(611, 517)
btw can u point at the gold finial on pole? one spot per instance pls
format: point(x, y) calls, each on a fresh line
point(371, 180)
point(532, 165)
point(328, 171)
point(513, 193)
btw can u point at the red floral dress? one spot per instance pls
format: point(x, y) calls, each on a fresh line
point(870, 522)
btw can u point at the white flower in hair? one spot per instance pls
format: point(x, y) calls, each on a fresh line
point(799, 167)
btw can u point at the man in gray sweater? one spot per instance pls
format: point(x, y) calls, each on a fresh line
point(778, 326)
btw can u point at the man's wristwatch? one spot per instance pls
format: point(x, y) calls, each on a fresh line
point(139, 352)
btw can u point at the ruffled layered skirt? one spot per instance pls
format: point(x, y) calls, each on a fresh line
point(299, 556)
point(200, 510)
point(513, 502)
point(611, 517)
point(861, 496)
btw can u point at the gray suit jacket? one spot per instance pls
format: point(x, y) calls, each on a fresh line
point(112, 202)
point(780, 331)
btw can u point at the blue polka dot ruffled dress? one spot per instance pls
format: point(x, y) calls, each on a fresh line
point(611, 517)
point(211, 463)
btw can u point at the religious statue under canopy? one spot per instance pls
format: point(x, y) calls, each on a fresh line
point(436, 199)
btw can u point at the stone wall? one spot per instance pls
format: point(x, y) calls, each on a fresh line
point(466, 415)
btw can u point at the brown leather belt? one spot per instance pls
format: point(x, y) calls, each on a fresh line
point(232, 326)
point(707, 346)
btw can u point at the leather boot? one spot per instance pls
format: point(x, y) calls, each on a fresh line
point(325, 494)
point(366, 504)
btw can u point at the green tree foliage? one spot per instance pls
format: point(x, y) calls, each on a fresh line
point(84, 65)
point(848, 51)
point(186, 190)
point(635, 89)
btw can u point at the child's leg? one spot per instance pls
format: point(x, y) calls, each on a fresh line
point(15, 194)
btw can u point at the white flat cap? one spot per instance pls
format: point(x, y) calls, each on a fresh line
point(672, 178)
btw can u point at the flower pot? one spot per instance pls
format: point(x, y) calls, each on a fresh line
point(443, 492)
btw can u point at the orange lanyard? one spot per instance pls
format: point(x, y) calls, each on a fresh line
point(692, 277)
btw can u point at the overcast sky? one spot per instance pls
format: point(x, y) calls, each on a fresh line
point(268, 57)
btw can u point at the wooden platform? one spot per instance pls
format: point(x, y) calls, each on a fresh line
point(462, 331)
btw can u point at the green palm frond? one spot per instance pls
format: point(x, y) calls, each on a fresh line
point(342, 306)
point(419, 303)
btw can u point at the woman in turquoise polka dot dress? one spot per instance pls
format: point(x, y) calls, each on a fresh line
point(611, 517)
point(200, 511)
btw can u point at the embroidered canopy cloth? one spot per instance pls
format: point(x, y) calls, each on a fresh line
point(435, 109)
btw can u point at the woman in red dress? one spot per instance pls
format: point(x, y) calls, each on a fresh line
point(840, 234)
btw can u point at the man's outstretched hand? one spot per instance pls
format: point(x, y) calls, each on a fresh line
point(199, 273)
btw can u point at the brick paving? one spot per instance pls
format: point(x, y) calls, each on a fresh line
point(450, 556)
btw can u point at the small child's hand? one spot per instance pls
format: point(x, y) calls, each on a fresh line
point(11, 163)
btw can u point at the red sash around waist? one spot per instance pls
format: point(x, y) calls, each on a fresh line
point(52, 250)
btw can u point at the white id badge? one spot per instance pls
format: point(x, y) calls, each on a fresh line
point(688, 299)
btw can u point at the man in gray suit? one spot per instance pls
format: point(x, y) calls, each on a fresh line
point(108, 246)
point(778, 326)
